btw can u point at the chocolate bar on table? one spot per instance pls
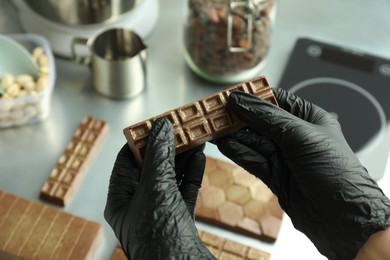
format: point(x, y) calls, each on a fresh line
point(199, 122)
point(234, 199)
point(220, 247)
point(30, 230)
point(223, 248)
point(118, 253)
point(73, 163)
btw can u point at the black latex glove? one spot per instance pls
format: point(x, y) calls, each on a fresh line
point(151, 209)
point(299, 151)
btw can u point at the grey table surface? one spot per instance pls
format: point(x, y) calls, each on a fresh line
point(28, 153)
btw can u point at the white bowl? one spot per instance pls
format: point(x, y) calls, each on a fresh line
point(15, 58)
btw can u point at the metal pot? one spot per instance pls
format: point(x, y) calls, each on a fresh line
point(82, 12)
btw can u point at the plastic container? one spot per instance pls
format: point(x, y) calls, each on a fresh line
point(30, 108)
point(226, 41)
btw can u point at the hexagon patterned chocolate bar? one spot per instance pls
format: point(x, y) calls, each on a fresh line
point(223, 248)
point(220, 247)
point(200, 121)
point(233, 199)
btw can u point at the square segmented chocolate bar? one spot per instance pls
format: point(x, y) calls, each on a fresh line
point(220, 247)
point(30, 230)
point(72, 165)
point(199, 122)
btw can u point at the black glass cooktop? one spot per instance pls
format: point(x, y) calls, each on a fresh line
point(353, 85)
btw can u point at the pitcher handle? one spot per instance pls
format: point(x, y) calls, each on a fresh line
point(84, 60)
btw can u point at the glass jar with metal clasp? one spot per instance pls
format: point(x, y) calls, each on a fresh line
point(227, 41)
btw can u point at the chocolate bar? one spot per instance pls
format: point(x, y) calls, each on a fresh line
point(234, 199)
point(223, 248)
point(118, 253)
point(220, 247)
point(30, 230)
point(72, 165)
point(199, 122)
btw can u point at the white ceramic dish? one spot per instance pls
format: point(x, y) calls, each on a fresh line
point(33, 108)
point(15, 58)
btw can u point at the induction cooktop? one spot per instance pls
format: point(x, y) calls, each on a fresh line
point(351, 84)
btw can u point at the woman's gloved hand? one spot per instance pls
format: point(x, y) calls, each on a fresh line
point(151, 209)
point(299, 151)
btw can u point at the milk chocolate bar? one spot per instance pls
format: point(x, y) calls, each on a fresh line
point(31, 230)
point(118, 253)
point(72, 165)
point(199, 122)
point(222, 248)
point(233, 199)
